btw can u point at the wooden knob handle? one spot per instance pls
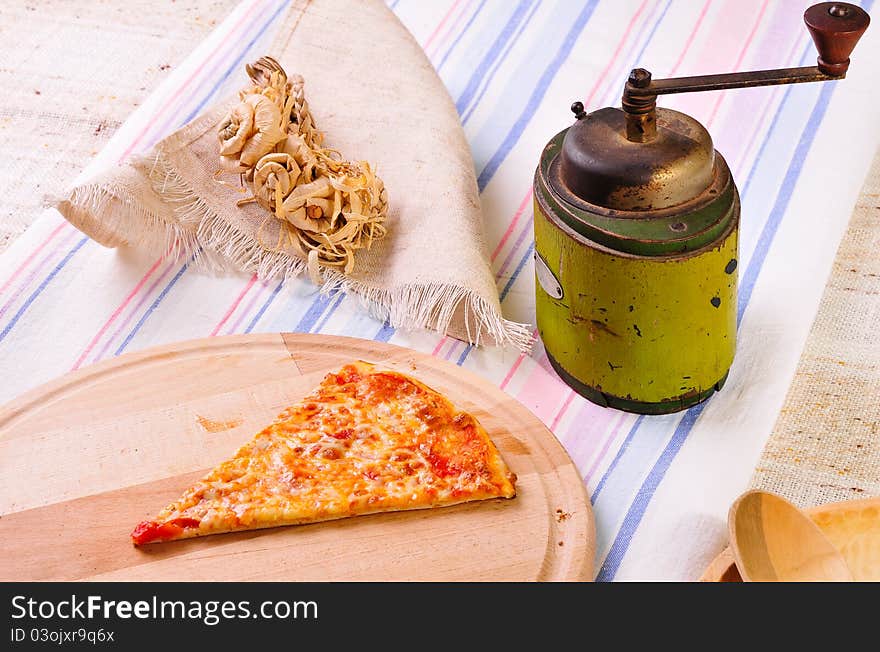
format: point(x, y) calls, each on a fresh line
point(836, 27)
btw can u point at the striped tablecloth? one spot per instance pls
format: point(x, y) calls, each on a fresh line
point(660, 486)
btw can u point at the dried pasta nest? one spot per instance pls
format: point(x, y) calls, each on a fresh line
point(327, 207)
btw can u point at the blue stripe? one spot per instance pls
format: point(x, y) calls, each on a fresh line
point(464, 355)
point(333, 308)
point(759, 255)
point(519, 268)
point(464, 31)
point(313, 314)
point(264, 307)
point(154, 305)
point(764, 144)
point(491, 55)
point(538, 93)
point(507, 48)
point(612, 94)
point(40, 288)
point(195, 112)
point(385, 332)
point(623, 448)
point(651, 35)
point(646, 492)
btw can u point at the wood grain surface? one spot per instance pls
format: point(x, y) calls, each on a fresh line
point(852, 526)
point(84, 458)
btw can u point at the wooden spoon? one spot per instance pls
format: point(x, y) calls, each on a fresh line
point(773, 541)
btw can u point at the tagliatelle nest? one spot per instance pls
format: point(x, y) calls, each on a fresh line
point(328, 207)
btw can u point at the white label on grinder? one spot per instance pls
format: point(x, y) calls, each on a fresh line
point(546, 279)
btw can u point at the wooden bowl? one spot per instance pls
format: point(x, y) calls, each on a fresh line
point(852, 526)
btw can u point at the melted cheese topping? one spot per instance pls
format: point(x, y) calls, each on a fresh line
point(365, 441)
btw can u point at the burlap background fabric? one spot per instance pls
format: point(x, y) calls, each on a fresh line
point(430, 272)
point(71, 73)
point(825, 446)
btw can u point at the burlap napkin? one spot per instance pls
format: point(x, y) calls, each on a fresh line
point(377, 98)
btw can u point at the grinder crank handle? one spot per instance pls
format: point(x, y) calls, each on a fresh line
point(836, 27)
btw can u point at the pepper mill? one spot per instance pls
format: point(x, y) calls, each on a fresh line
point(636, 236)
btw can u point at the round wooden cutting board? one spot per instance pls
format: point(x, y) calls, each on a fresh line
point(88, 456)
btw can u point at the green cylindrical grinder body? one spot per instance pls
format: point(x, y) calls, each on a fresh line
point(637, 302)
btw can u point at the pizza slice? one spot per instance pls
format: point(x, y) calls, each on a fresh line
point(365, 441)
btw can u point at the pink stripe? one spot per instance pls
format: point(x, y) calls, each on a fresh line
point(160, 129)
point(504, 238)
point(195, 73)
point(605, 446)
point(724, 27)
point(614, 56)
point(439, 346)
point(516, 365)
point(115, 314)
point(739, 59)
point(622, 420)
point(690, 39)
point(526, 230)
point(247, 309)
point(535, 388)
point(453, 349)
point(452, 27)
point(35, 271)
point(134, 311)
point(232, 308)
point(146, 127)
point(440, 25)
point(593, 424)
point(588, 427)
point(585, 445)
point(456, 346)
point(27, 260)
point(516, 216)
point(425, 47)
point(776, 91)
point(583, 453)
point(562, 411)
point(544, 393)
point(729, 135)
point(528, 196)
